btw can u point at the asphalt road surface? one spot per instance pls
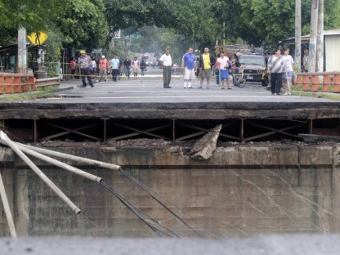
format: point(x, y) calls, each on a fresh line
point(263, 245)
point(150, 89)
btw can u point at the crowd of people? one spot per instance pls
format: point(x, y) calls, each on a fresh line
point(280, 66)
point(204, 68)
point(281, 70)
point(102, 68)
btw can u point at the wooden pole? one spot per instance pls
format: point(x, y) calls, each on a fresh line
point(298, 35)
point(313, 36)
point(60, 164)
point(57, 154)
point(35, 169)
point(7, 208)
point(320, 38)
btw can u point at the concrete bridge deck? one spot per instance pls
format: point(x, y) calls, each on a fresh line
point(145, 98)
point(143, 108)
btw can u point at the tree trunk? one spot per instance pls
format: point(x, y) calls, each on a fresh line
point(298, 35)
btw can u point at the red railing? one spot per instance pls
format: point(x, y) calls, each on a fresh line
point(16, 83)
point(318, 82)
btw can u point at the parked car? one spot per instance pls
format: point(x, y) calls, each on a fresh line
point(252, 69)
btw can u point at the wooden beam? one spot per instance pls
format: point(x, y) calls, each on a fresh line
point(7, 208)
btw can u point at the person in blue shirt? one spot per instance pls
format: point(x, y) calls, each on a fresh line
point(189, 67)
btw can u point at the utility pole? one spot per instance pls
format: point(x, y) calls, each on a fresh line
point(298, 35)
point(22, 50)
point(320, 38)
point(313, 36)
point(223, 29)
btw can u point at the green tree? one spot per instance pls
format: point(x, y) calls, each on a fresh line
point(34, 15)
point(267, 22)
point(82, 23)
point(195, 20)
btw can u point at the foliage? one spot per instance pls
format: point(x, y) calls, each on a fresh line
point(273, 20)
point(88, 23)
point(154, 39)
point(53, 53)
point(81, 23)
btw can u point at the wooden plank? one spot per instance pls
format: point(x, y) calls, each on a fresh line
point(7, 208)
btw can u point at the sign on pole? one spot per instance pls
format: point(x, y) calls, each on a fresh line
point(37, 38)
point(117, 34)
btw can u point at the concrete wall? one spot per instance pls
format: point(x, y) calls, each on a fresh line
point(242, 190)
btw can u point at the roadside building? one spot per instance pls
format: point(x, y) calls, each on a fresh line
point(331, 49)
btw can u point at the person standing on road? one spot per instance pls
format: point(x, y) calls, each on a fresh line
point(115, 68)
point(135, 68)
point(72, 68)
point(127, 68)
point(206, 62)
point(166, 62)
point(288, 71)
point(103, 67)
point(84, 62)
point(275, 66)
point(222, 65)
point(94, 66)
point(188, 61)
point(143, 66)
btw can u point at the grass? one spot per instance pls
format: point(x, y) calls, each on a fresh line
point(326, 95)
point(39, 93)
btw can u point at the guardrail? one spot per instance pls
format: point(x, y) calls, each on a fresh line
point(318, 82)
point(46, 82)
point(16, 83)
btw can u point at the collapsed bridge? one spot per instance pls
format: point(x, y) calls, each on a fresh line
point(99, 122)
point(261, 178)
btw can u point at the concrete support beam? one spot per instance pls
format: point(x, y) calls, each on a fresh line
point(245, 155)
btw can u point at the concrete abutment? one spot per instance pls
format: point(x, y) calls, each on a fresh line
point(241, 190)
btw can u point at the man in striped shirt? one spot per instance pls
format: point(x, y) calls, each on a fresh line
point(275, 66)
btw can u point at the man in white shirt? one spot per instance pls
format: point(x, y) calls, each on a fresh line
point(275, 67)
point(166, 61)
point(222, 65)
point(288, 72)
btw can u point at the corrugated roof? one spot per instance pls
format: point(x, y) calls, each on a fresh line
point(326, 32)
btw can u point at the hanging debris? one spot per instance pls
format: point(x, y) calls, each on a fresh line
point(204, 148)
